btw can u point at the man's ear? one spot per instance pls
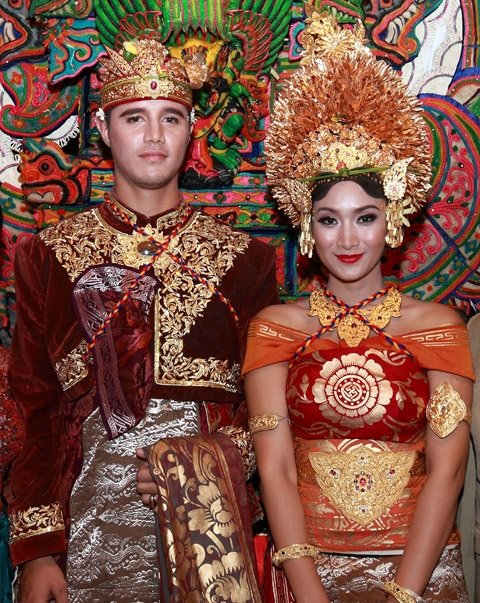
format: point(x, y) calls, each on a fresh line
point(103, 129)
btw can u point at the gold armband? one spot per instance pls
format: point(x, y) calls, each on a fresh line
point(265, 422)
point(402, 595)
point(446, 410)
point(294, 551)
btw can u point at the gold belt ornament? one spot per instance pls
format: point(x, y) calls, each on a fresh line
point(362, 483)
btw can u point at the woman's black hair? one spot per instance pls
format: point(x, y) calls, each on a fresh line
point(370, 184)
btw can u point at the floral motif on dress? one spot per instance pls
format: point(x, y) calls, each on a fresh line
point(353, 389)
point(360, 393)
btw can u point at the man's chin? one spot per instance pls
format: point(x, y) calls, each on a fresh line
point(152, 185)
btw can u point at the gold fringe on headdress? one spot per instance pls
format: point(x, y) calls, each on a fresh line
point(146, 70)
point(343, 113)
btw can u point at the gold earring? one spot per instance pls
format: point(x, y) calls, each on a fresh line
point(394, 216)
point(307, 242)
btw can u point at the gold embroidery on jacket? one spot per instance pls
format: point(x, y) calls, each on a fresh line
point(73, 249)
point(362, 483)
point(209, 248)
point(73, 368)
point(205, 245)
point(35, 521)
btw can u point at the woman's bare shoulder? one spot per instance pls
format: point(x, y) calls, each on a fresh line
point(291, 315)
point(422, 315)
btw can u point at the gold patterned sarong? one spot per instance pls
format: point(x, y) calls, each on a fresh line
point(204, 520)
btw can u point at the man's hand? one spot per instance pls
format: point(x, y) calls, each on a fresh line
point(42, 581)
point(146, 487)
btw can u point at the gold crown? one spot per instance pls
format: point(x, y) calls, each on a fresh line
point(344, 113)
point(147, 70)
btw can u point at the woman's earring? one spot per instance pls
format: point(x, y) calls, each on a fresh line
point(394, 215)
point(307, 242)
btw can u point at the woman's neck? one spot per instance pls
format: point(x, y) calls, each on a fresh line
point(353, 292)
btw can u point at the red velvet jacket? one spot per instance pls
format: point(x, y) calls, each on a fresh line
point(175, 336)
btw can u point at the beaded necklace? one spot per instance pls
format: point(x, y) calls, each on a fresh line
point(154, 249)
point(374, 318)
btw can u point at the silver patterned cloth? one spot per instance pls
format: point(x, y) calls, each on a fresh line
point(360, 578)
point(112, 555)
point(349, 579)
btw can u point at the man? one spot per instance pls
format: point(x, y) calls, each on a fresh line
point(131, 325)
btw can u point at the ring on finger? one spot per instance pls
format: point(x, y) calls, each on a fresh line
point(152, 502)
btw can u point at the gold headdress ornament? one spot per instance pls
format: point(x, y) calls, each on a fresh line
point(344, 113)
point(145, 70)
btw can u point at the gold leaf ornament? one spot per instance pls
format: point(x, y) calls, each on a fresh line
point(362, 484)
point(350, 327)
point(446, 410)
point(197, 69)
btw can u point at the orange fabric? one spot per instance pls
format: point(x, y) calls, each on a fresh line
point(341, 397)
point(444, 348)
point(331, 531)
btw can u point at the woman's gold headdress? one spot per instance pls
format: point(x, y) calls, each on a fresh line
point(343, 113)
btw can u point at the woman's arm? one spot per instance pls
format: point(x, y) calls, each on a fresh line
point(265, 390)
point(437, 503)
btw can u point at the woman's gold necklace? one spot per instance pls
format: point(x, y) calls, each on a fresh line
point(353, 323)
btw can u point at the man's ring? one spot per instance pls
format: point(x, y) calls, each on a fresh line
point(152, 502)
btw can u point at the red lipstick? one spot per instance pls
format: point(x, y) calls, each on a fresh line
point(350, 259)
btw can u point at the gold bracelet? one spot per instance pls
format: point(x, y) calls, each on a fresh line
point(294, 551)
point(402, 595)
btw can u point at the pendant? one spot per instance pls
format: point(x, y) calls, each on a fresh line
point(147, 247)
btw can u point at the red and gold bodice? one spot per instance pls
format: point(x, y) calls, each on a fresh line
point(360, 392)
point(358, 421)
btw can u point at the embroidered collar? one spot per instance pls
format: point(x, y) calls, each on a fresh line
point(167, 220)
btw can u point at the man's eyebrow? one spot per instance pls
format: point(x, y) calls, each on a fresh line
point(175, 111)
point(131, 112)
point(135, 111)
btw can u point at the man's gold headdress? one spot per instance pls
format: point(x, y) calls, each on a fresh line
point(343, 113)
point(146, 70)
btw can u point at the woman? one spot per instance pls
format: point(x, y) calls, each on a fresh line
point(359, 398)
